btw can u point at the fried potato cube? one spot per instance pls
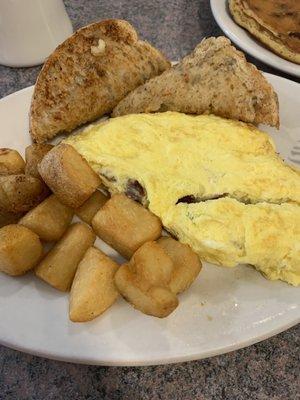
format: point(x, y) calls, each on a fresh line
point(49, 219)
point(11, 162)
point(144, 281)
point(33, 156)
point(157, 301)
point(187, 264)
point(125, 225)
point(20, 193)
point(152, 266)
point(68, 175)
point(59, 266)
point(90, 208)
point(93, 289)
point(20, 249)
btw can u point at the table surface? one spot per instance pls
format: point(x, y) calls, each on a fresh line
point(267, 370)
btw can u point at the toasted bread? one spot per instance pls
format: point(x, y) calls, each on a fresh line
point(273, 22)
point(215, 78)
point(88, 74)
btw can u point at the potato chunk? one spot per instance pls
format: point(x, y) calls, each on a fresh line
point(20, 249)
point(20, 193)
point(186, 264)
point(49, 219)
point(33, 156)
point(11, 162)
point(157, 301)
point(93, 289)
point(152, 266)
point(59, 266)
point(125, 225)
point(90, 208)
point(68, 175)
point(144, 281)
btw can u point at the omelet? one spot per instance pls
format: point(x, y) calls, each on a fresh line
point(218, 185)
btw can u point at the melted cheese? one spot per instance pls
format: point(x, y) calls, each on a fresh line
point(173, 155)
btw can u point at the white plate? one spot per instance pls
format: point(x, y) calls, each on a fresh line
point(224, 310)
point(247, 42)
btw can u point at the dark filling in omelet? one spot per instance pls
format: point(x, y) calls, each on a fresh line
point(135, 191)
point(189, 199)
point(192, 199)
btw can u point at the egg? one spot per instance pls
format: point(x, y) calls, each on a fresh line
point(218, 185)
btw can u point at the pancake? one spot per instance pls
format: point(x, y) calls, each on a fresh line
point(276, 23)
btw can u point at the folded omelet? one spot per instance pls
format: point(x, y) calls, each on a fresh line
point(216, 184)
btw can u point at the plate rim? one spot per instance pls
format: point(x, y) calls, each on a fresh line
point(287, 67)
point(155, 360)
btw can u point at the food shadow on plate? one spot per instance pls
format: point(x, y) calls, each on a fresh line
point(118, 321)
point(45, 290)
point(14, 284)
point(196, 303)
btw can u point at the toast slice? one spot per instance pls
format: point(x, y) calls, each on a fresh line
point(215, 78)
point(88, 74)
point(273, 22)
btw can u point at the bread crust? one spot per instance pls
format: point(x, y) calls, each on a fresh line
point(80, 82)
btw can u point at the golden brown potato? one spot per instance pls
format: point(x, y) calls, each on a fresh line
point(33, 156)
point(93, 289)
point(68, 175)
point(90, 208)
point(157, 301)
point(59, 266)
point(11, 162)
point(49, 219)
point(144, 281)
point(125, 225)
point(152, 266)
point(186, 264)
point(20, 249)
point(20, 193)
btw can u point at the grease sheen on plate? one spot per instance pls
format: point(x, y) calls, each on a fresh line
point(224, 310)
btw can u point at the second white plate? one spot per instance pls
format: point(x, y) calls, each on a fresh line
point(247, 42)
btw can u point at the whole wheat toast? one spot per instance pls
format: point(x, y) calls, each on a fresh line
point(215, 78)
point(88, 74)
